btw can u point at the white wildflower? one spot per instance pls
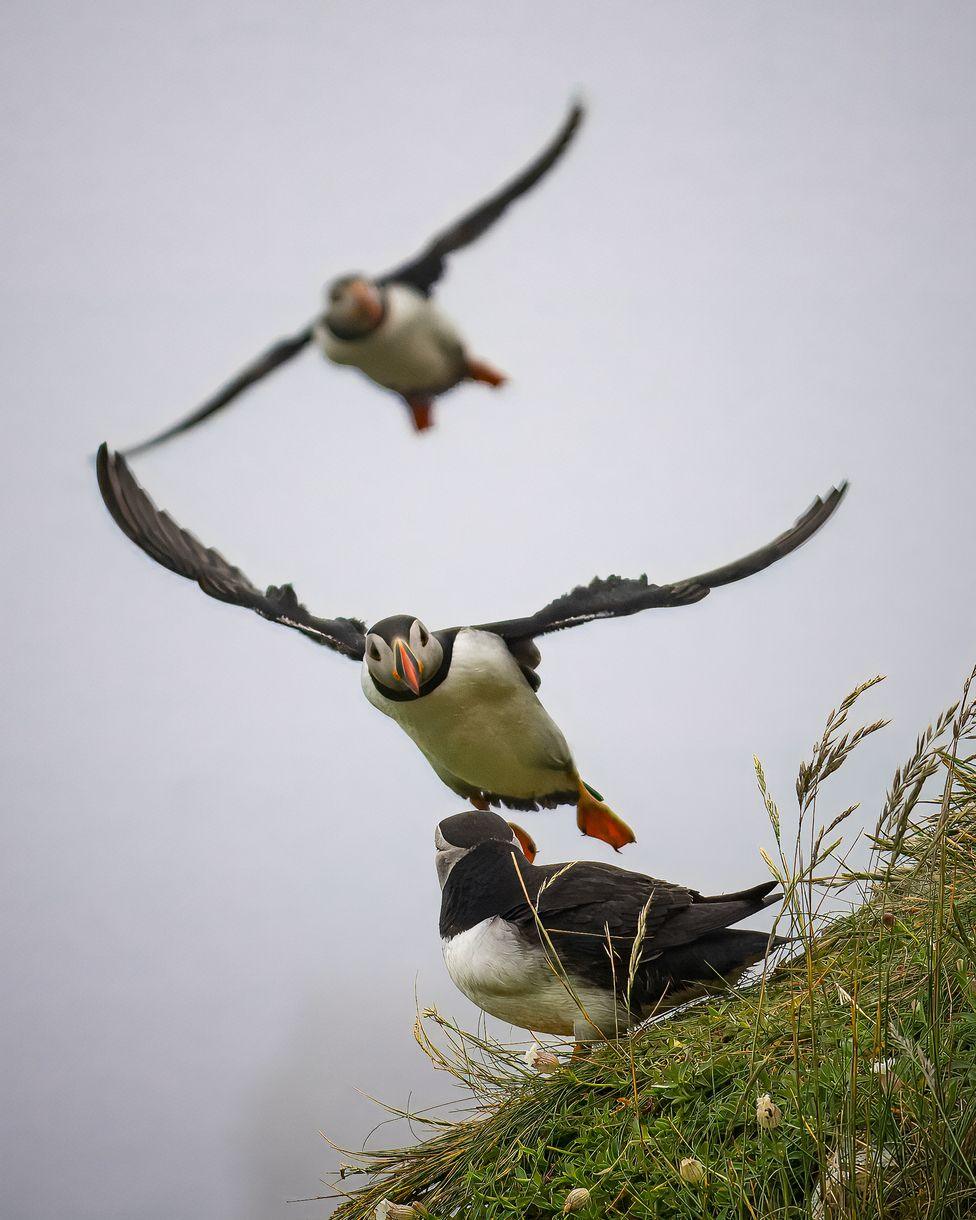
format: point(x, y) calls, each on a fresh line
point(768, 1113)
point(886, 1076)
point(387, 1210)
point(692, 1171)
point(539, 1060)
point(576, 1200)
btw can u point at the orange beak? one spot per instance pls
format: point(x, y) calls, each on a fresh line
point(368, 300)
point(408, 669)
point(526, 842)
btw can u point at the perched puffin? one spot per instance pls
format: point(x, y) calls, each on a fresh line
point(465, 695)
point(496, 955)
point(387, 326)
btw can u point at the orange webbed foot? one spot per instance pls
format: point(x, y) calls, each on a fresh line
point(595, 818)
point(421, 411)
point(479, 370)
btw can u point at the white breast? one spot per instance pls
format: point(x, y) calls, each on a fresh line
point(415, 349)
point(484, 724)
point(496, 970)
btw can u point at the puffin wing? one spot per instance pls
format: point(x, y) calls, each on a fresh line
point(618, 596)
point(279, 354)
point(426, 269)
point(156, 533)
point(713, 914)
point(580, 904)
point(585, 899)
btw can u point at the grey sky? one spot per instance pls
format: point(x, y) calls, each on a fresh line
point(753, 276)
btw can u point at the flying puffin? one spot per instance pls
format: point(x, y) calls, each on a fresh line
point(496, 955)
point(387, 326)
point(466, 696)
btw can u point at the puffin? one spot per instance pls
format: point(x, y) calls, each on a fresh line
point(466, 696)
point(388, 326)
point(563, 980)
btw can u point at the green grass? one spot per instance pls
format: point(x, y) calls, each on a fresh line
point(893, 980)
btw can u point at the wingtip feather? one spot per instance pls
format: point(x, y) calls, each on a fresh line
point(577, 108)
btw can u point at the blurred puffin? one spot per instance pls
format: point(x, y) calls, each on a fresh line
point(387, 326)
point(491, 896)
point(465, 695)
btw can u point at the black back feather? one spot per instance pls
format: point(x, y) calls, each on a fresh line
point(587, 907)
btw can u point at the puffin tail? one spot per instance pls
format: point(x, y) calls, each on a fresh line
point(723, 954)
point(595, 818)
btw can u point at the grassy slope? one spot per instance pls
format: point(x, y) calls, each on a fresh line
point(895, 980)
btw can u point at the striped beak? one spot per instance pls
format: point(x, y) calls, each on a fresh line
point(407, 669)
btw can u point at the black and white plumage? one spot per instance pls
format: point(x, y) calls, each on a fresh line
point(388, 326)
point(493, 900)
point(466, 696)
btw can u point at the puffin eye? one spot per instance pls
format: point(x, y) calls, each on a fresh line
point(374, 652)
point(424, 635)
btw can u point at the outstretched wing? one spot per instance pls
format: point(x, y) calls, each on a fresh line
point(277, 355)
point(426, 269)
point(175, 548)
point(617, 596)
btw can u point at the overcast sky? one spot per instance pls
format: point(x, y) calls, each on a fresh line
point(752, 277)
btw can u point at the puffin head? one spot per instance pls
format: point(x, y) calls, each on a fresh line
point(402, 655)
point(354, 306)
point(463, 832)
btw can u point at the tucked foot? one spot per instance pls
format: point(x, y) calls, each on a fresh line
point(595, 818)
point(526, 842)
point(478, 370)
point(421, 411)
point(481, 803)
